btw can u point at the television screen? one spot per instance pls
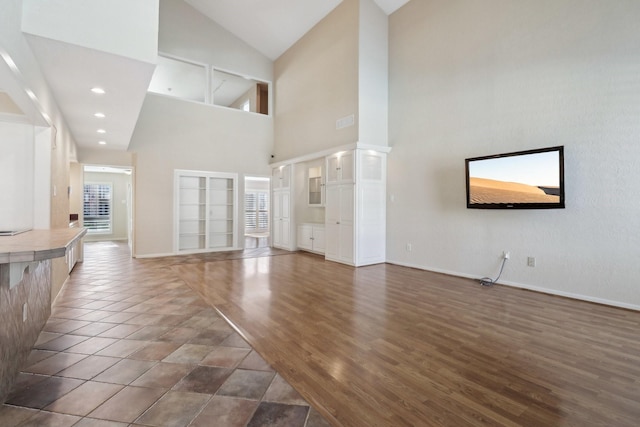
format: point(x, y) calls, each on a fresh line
point(532, 179)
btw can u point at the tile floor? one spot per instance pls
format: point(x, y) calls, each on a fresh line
point(129, 344)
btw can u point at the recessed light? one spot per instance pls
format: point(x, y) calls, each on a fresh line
point(97, 90)
point(102, 142)
point(99, 115)
point(101, 131)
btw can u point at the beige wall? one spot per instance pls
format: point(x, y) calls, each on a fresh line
point(478, 78)
point(316, 83)
point(76, 180)
point(373, 75)
point(173, 134)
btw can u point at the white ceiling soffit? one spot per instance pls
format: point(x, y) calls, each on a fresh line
point(17, 102)
point(72, 71)
point(390, 6)
point(273, 26)
point(106, 169)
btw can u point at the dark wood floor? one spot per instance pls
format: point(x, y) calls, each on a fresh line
point(386, 345)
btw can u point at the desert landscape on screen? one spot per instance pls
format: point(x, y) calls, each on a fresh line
point(483, 190)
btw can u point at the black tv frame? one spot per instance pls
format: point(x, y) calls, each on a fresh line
point(555, 205)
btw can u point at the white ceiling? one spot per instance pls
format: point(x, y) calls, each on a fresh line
point(270, 26)
point(273, 26)
point(72, 71)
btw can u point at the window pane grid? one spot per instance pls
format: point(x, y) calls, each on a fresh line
point(97, 208)
point(256, 211)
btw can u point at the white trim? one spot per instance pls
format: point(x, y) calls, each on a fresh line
point(161, 255)
point(330, 151)
point(571, 295)
point(209, 105)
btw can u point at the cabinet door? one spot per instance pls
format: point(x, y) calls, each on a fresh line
point(281, 177)
point(277, 232)
point(318, 239)
point(332, 222)
point(333, 168)
point(347, 167)
point(341, 168)
point(305, 237)
point(347, 238)
point(282, 218)
point(285, 233)
point(339, 214)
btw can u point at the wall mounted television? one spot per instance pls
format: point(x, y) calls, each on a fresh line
point(532, 179)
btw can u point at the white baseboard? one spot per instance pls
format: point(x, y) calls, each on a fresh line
point(153, 255)
point(525, 286)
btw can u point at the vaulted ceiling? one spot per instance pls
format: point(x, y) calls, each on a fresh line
point(270, 26)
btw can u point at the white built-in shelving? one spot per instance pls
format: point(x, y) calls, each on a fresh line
point(206, 211)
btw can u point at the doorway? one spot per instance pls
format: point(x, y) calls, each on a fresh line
point(256, 212)
point(107, 204)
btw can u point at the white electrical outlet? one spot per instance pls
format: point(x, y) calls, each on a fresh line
point(506, 254)
point(531, 261)
point(409, 247)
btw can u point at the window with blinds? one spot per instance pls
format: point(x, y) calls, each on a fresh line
point(97, 208)
point(256, 211)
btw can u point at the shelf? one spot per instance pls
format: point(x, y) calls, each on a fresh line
point(206, 210)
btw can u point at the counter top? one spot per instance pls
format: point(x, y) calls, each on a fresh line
point(37, 245)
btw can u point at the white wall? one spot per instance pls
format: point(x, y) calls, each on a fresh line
point(121, 27)
point(186, 33)
point(173, 134)
point(16, 176)
point(42, 178)
point(474, 78)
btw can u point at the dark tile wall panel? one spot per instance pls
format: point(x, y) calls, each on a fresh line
point(18, 337)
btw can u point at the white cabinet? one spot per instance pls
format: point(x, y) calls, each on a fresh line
point(281, 177)
point(281, 233)
point(282, 219)
point(311, 238)
point(339, 219)
point(205, 211)
point(315, 187)
point(355, 212)
point(340, 168)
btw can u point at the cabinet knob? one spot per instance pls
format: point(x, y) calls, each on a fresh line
point(337, 222)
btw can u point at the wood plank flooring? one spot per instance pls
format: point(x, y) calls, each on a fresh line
point(386, 345)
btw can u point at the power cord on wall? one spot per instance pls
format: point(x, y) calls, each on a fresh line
point(487, 281)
